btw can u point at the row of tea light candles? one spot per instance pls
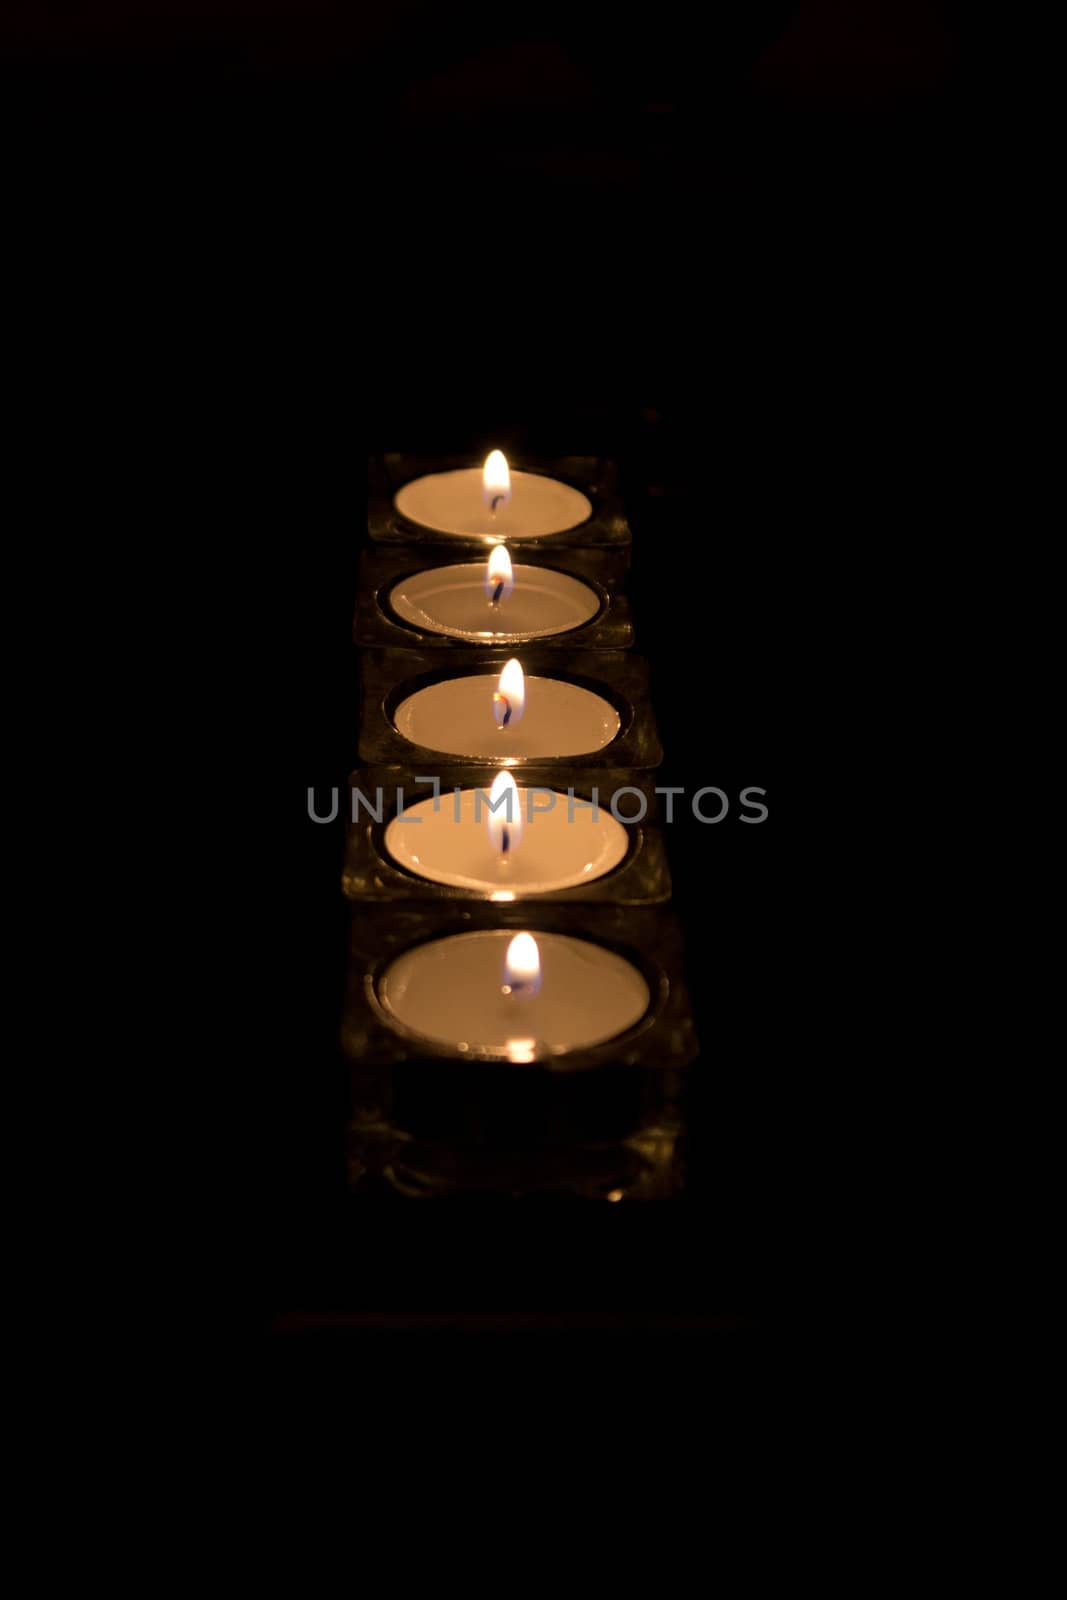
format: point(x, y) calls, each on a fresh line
point(491, 992)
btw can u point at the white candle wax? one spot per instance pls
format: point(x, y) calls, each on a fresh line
point(552, 851)
point(453, 600)
point(455, 503)
point(449, 991)
point(455, 717)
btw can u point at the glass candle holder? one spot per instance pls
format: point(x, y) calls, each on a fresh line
point(594, 477)
point(608, 693)
point(600, 1121)
point(410, 836)
point(598, 574)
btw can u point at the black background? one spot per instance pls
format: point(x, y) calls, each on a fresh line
point(280, 237)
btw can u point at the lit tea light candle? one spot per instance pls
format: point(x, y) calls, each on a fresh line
point(492, 502)
point(513, 996)
point(507, 719)
point(495, 602)
point(517, 842)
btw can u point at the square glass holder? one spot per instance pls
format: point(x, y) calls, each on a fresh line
point(376, 624)
point(387, 677)
point(604, 1122)
point(596, 476)
point(369, 873)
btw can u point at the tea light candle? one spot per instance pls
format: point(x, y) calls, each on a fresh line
point(513, 996)
point(507, 719)
point(498, 605)
point(492, 502)
point(531, 843)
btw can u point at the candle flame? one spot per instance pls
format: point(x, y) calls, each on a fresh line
point(509, 696)
point(522, 966)
point(496, 480)
point(499, 577)
point(505, 822)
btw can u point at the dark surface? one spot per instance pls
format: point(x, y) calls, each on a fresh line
point(726, 266)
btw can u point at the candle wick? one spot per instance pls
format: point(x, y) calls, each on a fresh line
point(494, 502)
point(505, 840)
point(506, 703)
point(497, 592)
